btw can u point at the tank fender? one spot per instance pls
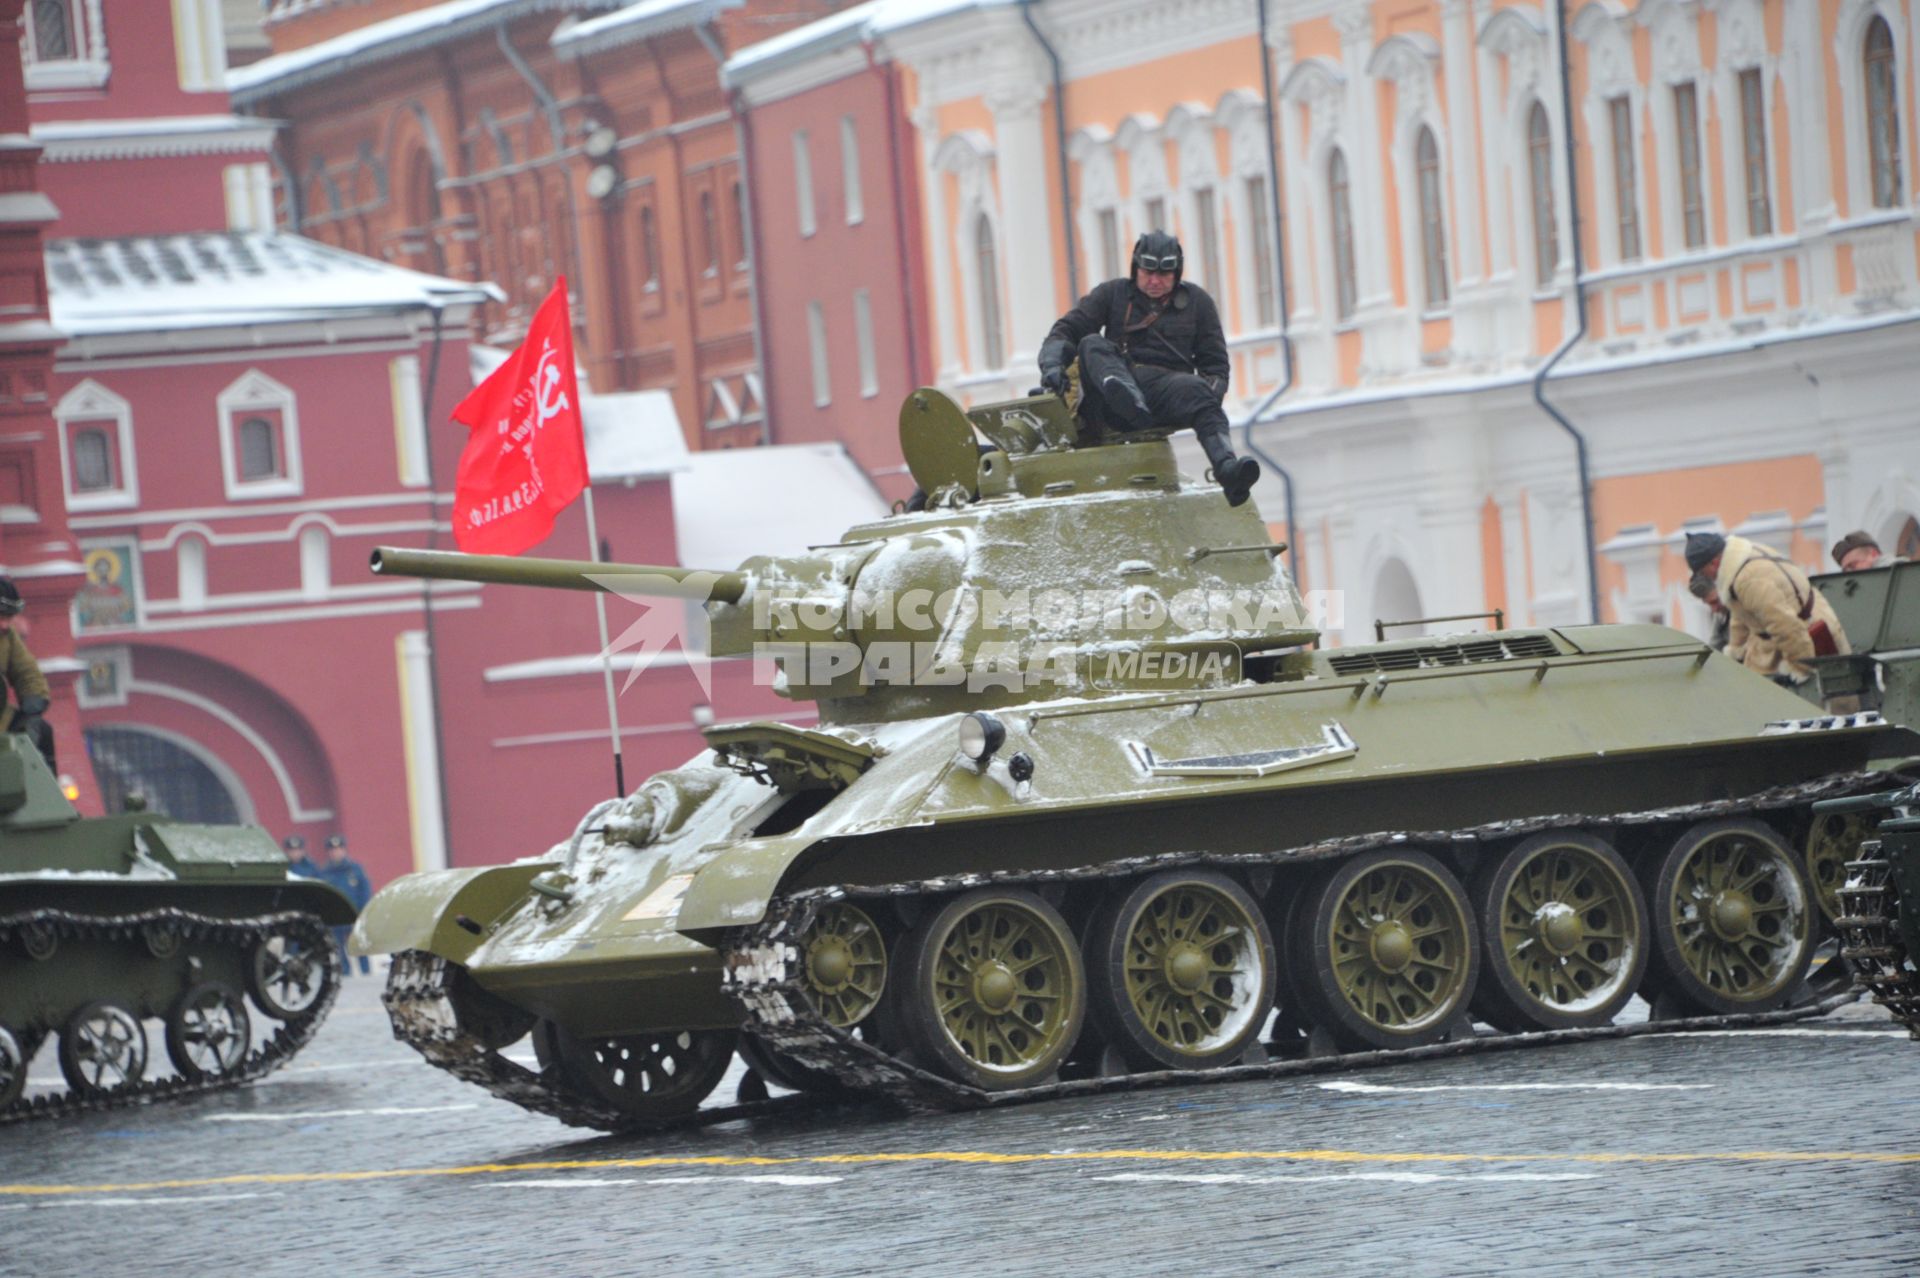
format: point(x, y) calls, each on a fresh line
point(333, 906)
point(733, 890)
point(421, 911)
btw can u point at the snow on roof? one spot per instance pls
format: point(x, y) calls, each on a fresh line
point(630, 435)
point(635, 22)
point(732, 503)
point(167, 282)
point(846, 27)
point(378, 41)
point(862, 22)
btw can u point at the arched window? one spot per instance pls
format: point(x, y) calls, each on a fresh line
point(1433, 225)
point(92, 460)
point(1345, 290)
point(1546, 226)
point(739, 226)
point(1883, 114)
point(993, 352)
point(259, 450)
point(52, 30)
point(192, 570)
point(316, 565)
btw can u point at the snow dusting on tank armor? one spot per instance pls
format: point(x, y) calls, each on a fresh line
point(1086, 808)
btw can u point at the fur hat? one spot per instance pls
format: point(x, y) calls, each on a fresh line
point(1703, 548)
point(1858, 539)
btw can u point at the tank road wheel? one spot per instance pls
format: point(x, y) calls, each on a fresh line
point(1181, 971)
point(1732, 925)
point(1565, 929)
point(287, 976)
point(1390, 951)
point(994, 994)
point(647, 1076)
point(208, 1031)
point(102, 1048)
point(13, 1068)
point(1833, 841)
point(846, 964)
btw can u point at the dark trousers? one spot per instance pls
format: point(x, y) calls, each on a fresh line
point(1173, 398)
point(346, 961)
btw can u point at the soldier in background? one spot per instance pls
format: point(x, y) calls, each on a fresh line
point(22, 674)
point(1858, 551)
point(299, 864)
point(350, 877)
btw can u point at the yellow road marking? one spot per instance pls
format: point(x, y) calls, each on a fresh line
point(984, 1157)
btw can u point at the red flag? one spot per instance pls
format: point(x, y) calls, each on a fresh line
point(527, 456)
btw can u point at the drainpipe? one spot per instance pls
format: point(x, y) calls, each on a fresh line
point(1257, 416)
point(742, 137)
point(556, 128)
point(902, 245)
point(1579, 313)
point(1059, 147)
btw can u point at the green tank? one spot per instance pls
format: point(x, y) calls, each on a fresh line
point(1080, 799)
point(109, 922)
point(1880, 914)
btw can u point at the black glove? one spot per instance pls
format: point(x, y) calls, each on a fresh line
point(1785, 681)
point(1054, 380)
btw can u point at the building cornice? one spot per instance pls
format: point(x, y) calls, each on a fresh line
point(68, 141)
point(822, 66)
point(578, 39)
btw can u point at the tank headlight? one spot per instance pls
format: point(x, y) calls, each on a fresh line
point(69, 788)
point(980, 736)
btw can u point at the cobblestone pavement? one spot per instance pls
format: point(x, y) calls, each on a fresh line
point(1759, 1152)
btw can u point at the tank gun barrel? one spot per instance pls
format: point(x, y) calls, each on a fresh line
point(664, 580)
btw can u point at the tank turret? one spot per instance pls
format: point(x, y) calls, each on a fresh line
point(1046, 564)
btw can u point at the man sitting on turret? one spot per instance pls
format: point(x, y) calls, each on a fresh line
point(1152, 353)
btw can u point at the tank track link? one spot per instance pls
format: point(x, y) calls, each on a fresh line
point(762, 973)
point(276, 1050)
point(1871, 941)
point(765, 976)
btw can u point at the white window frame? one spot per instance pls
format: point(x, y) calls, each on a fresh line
point(92, 402)
point(817, 348)
point(190, 575)
point(863, 339)
point(850, 171)
point(252, 392)
point(803, 184)
point(87, 69)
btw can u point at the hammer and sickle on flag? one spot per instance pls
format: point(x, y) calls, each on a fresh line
point(526, 456)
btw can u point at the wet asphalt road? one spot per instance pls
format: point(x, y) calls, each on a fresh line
point(1785, 1151)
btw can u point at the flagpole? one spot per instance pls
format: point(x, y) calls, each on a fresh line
point(606, 652)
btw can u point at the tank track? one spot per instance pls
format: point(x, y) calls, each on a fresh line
point(1870, 939)
point(763, 974)
point(419, 999)
point(276, 1050)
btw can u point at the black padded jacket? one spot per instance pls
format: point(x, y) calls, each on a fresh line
point(1187, 337)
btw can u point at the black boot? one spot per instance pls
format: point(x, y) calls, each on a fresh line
point(1236, 475)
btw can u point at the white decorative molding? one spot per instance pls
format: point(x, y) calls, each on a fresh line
point(254, 390)
point(90, 401)
point(88, 68)
point(67, 141)
point(296, 810)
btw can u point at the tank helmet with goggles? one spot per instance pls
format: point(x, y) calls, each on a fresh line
point(1158, 251)
point(10, 601)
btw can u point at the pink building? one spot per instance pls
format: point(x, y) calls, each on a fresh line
point(838, 243)
point(241, 416)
